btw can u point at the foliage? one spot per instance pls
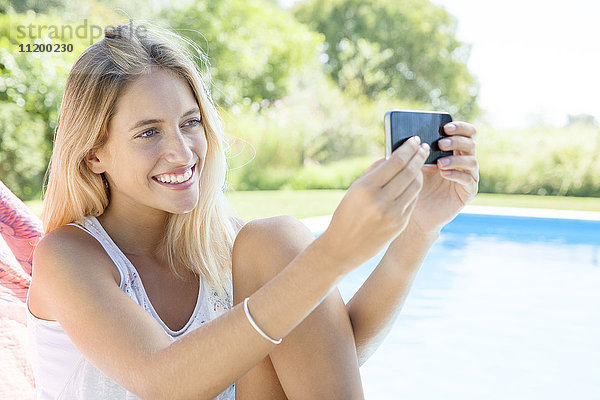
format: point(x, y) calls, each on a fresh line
point(402, 49)
point(38, 6)
point(315, 125)
point(30, 91)
point(295, 121)
point(335, 175)
point(538, 161)
point(254, 63)
point(542, 161)
point(253, 47)
point(22, 150)
point(31, 85)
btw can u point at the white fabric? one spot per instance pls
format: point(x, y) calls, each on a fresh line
point(62, 372)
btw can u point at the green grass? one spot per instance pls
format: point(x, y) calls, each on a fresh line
point(530, 201)
point(301, 203)
point(311, 203)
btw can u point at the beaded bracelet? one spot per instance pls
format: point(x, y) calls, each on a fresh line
point(256, 326)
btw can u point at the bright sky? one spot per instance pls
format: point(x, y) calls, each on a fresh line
point(536, 61)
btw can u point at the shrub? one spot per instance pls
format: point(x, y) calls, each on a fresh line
point(335, 175)
point(542, 161)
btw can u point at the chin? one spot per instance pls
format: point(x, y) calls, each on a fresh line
point(187, 211)
point(183, 208)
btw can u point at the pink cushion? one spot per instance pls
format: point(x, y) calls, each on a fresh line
point(20, 230)
point(19, 227)
point(16, 375)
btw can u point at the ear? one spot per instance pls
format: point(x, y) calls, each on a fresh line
point(93, 162)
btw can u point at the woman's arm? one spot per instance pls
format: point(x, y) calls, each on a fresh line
point(447, 188)
point(75, 280)
point(375, 306)
point(119, 337)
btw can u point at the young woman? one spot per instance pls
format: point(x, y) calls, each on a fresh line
point(146, 285)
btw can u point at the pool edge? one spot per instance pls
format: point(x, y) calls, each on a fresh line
point(319, 224)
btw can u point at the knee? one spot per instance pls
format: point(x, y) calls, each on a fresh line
point(262, 249)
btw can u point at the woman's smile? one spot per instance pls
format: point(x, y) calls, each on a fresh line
point(179, 179)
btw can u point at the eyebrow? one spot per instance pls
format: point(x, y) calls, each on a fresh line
point(144, 122)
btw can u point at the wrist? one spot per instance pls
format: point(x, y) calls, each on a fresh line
point(414, 229)
point(413, 243)
point(333, 255)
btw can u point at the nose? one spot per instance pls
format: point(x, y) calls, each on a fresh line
point(177, 148)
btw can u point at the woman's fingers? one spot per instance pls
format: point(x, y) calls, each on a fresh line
point(405, 199)
point(463, 178)
point(381, 175)
point(462, 167)
point(460, 128)
point(410, 174)
point(464, 163)
point(463, 144)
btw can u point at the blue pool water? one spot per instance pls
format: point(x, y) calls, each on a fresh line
point(502, 308)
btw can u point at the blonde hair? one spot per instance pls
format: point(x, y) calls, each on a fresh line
point(200, 240)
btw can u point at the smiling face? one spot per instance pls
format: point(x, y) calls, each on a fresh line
point(156, 147)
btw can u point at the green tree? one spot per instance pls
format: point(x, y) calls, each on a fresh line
point(38, 6)
point(31, 85)
point(403, 49)
point(253, 47)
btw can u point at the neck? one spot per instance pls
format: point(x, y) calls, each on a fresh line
point(137, 233)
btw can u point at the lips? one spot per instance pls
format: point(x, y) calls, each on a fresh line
point(180, 178)
point(176, 175)
point(177, 171)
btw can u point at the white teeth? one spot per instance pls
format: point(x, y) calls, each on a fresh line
point(175, 178)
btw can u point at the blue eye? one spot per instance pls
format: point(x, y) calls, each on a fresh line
point(144, 135)
point(147, 134)
point(195, 121)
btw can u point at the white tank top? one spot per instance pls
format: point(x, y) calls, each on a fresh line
point(62, 372)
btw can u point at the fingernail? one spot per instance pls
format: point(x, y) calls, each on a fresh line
point(444, 161)
point(450, 128)
point(416, 139)
point(445, 142)
point(425, 146)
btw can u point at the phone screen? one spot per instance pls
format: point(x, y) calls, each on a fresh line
point(402, 125)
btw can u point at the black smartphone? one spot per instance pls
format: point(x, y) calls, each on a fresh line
point(401, 125)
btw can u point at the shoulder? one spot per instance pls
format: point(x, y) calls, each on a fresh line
point(66, 238)
point(65, 245)
point(260, 237)
point(61, 260)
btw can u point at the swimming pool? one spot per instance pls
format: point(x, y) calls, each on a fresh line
point(503, 307)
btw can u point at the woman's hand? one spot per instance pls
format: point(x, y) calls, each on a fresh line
point(446, 189)
point(452, 183)
point(378, 205)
